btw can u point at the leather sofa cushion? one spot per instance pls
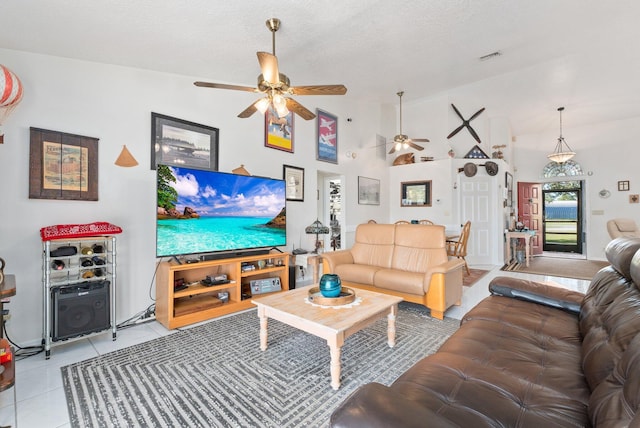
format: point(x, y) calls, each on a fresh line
point(373, 245)
point(469, 393)
point(511, 361)
point(398, 280)
point(538, 343)
point(418, 247)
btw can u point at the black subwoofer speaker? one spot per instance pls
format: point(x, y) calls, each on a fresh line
point(80, 309)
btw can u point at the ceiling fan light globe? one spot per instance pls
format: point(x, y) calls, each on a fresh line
point(263, 104)
point(282, 111)
point(405, 146)
point(398, 145)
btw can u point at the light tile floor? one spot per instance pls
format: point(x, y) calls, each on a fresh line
point(40, 395)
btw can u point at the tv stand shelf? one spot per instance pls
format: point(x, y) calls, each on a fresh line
point(199, 302)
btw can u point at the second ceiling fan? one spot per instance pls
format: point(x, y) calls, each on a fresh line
point(401, 141)
point(276, 86)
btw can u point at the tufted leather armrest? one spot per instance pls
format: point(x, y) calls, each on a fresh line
point(537, 292)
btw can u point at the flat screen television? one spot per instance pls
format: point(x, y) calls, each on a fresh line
point(203, 212)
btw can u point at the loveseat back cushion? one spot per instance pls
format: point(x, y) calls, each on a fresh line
point(610, 314)
point(418, 247)
point(361, 274)
point(374, 245)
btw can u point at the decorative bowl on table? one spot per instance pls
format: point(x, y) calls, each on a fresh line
point(330, 285)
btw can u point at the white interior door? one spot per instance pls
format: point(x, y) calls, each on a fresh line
point(477, 202)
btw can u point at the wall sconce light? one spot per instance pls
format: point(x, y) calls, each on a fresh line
point(126, 159)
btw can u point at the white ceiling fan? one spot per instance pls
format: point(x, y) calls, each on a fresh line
point(402, 141)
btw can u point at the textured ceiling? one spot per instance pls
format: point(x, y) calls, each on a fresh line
point(578, 53)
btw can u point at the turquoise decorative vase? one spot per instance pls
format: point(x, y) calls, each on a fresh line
point(330, 285)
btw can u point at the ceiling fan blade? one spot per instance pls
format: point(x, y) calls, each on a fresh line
point(414, 145)
point(455, 131)
point(393, 149)
point(248, 111)
point(473, 133)
point(269, 66)
point(299, 109)
point(319, 90)
point(225, 86)
point(421, 140)
point(476, 114)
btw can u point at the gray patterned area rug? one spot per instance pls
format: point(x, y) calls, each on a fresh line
point(215, 375)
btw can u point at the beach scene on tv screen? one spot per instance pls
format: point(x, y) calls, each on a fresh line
point(209, 211)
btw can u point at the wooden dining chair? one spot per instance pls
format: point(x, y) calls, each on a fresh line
point(425, 222)
point(402, 222)
point(372, 221)
point(458, 248)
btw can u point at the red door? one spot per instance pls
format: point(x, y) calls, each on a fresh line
point(530, 211)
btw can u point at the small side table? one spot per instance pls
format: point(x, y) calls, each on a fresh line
point(312, 259)
point(7, 289)
point(527, 243)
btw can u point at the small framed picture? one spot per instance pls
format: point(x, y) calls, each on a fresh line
point(623, 186)
point(415, 194)
point(326, 137)
point(368, 191)
point(634, 199)
point(278, 131)
point(62, 166)
point(294, 182)
point(179, 142)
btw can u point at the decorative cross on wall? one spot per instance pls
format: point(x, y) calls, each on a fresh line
point(465, 124)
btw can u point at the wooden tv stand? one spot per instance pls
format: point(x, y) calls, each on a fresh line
point(199, 302)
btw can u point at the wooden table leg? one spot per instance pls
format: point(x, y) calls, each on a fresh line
point(391, 326)
point(527, 242)
point(263, 328)
point(335, 366)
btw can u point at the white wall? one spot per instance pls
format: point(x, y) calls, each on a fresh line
point(114, 104)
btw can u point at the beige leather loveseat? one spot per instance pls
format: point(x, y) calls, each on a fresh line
point(406, 260)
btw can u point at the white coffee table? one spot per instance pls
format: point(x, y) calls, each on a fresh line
point(332, 324)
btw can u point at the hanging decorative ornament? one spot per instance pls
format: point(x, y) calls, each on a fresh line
point(10, 95)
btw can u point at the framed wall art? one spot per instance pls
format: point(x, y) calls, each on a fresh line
point(179, 142)
point(326, 137)
point(508, 186)
point(415, 194)
point(278, 131)
point(294, 182)
point(623, 186)
point(62, 166)
point(368, 191)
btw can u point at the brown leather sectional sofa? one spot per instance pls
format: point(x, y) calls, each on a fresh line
point(530, 355)
point(406, 260)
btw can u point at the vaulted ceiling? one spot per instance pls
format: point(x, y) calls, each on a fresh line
point(581, 54)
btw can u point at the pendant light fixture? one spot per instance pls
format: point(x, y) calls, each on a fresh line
point(563, 152)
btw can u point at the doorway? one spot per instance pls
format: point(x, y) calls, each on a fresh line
point(562, 211)
point(331, 209)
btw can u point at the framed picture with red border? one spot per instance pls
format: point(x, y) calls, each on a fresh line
point(326, 137)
